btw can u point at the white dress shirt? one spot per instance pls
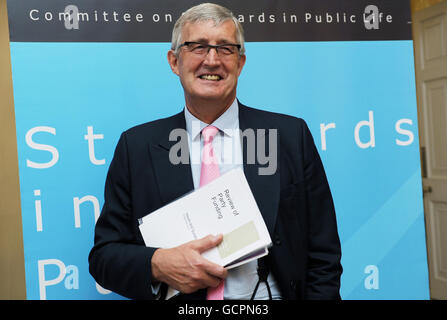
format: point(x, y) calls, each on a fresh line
point(241, 280)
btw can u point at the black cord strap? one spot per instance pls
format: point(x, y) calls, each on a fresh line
point(263, 272)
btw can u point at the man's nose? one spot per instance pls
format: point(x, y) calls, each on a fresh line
point(212, 57)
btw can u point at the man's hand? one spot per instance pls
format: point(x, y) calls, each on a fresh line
point(183, 267)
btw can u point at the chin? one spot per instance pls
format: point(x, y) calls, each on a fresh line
point(210, 96)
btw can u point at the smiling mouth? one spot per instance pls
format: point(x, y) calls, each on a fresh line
point(211, 77)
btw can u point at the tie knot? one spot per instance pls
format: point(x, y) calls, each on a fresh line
point(209, 132)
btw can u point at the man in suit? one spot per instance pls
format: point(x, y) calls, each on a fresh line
point(293, 194)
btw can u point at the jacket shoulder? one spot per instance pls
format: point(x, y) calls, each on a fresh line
point(274, 119)
point(154, 130)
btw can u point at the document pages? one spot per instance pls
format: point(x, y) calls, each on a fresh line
point(227, 206)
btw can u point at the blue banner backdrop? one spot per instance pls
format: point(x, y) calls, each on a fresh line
point(73, 99)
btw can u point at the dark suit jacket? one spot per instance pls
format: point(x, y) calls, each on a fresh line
point(295, 201)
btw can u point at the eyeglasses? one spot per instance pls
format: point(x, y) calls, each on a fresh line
point(202, 49)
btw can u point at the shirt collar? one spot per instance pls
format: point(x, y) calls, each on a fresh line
point(226, 123)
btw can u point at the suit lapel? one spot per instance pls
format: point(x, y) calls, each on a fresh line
point(173, 180)
point(265, 188)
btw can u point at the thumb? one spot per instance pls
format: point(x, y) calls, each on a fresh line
point(207, 242)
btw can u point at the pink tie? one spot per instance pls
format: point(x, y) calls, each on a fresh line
point(208, 172)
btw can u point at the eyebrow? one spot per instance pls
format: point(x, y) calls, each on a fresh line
point(221, 41)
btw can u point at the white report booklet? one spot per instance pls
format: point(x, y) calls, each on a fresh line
point(226, 205)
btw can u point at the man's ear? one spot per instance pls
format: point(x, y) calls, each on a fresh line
point(241, 63)
point(173, 61)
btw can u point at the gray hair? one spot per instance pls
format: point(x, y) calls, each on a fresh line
point(206, 12)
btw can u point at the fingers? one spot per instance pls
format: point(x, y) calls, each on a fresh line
point(206, 243)
point(206, 280)
point(214, 270)
point(185, 269)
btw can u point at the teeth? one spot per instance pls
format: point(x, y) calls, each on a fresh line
point(213, 77)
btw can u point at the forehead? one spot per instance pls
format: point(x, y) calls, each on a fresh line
point(208, 31)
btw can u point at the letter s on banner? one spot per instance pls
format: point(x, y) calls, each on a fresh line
point(44, 147)
point(404, 132)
